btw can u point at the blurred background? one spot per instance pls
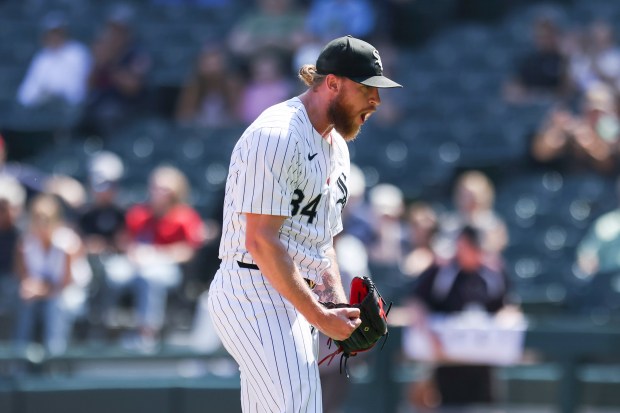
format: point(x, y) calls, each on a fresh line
point(483, 199)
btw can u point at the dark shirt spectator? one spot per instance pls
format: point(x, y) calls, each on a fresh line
point(102, 222)
point(117, 82)
point(481, 287)
point(463, 283)
point(544, 71)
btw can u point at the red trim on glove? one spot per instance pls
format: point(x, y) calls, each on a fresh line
point(359, 291)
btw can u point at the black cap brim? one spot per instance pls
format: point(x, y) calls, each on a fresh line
point(376, 81)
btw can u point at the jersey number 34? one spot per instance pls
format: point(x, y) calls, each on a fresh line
point(309, 209)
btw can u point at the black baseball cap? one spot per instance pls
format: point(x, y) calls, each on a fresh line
point(355, 59)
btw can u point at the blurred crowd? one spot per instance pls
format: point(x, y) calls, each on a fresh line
point(231, 81)
point(576, 70)
point(71, 252)
point(76, 264)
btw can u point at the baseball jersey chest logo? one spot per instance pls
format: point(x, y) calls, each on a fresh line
point(343, 191)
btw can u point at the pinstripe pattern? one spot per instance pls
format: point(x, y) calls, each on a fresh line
point(280, 166)
point(273, 344)
point(271, 161)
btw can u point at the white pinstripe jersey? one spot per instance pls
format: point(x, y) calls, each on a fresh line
point(282, 166)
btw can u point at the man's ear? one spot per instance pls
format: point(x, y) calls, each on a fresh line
point(333, 83)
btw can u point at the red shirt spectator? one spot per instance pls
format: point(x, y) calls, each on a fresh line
point(180, 224)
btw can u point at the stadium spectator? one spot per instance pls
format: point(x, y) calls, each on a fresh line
point(423, 227)
point(598, 249)
point(462, 284)
point(328, 19)
point(542, 73)
point(210, 96)
point(474, 197)
point(117, 81)
point(44, 270)
point(59, 71)
point(387, 206)
point(102, 222)
point(275, 24)
point(587, 141)
point(164, 233)
point(267, 86)
point(69, 191)
point(12, 199)
point(595, 58)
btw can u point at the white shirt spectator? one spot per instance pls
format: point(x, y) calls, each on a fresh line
point(56, 73)
point(589, 70)
point(595, 58)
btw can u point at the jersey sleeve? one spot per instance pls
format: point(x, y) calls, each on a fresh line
point(268, 173)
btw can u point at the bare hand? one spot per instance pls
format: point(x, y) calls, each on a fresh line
point(561, 119)
point(33, 289)
point(339, 323)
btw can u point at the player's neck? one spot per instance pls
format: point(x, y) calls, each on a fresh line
point(316, 109)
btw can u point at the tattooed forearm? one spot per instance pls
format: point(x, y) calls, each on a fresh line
point(332, 290)
point(331, 294)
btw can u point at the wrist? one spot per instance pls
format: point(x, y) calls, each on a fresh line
point(317, 314)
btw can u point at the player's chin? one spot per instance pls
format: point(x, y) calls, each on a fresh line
point(351, 136)
point(351, 132)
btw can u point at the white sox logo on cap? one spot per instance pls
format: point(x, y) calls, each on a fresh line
point(355, 59)
point(375, 53)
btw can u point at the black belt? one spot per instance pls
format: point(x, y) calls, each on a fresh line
point(242, 264)
point(246, 265)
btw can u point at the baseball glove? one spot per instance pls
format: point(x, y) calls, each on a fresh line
point(365, 296)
